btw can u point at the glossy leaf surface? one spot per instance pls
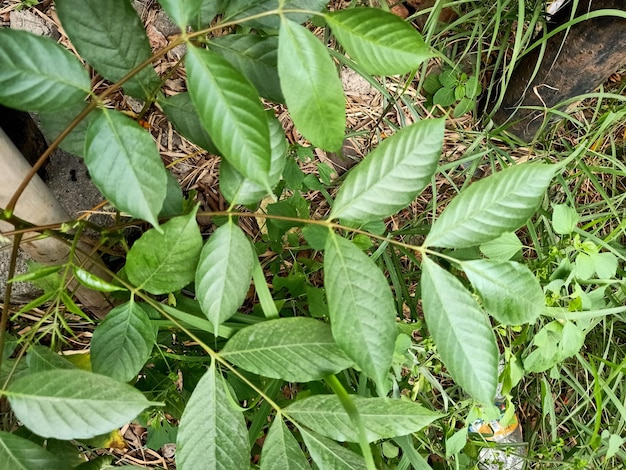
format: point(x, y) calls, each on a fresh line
point(212, 432)
point(122, 343)
point(229, 108)
point(36, 74)
point(311, 86)
point(461, 331)
point(125, 165)
point(500, 203)
point(361, 307)
point(110, 36)
point(73, 404)
point(382, 418)
point(381, 42)
point(224, 273)
point(166, 262)
point(390, 177)
point(292, 349)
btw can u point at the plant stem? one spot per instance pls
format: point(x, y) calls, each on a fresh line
point(4, 319)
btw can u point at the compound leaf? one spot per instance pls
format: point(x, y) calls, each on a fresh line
point(125, 165)
point(328, 454)
point(165, 262)
point(122, 343)
point(238, 189)
point(212, 432)
point(36, 74)
point(293, 349)
point(392, 175)
point(73, 404)
point(110, 36)
point(383, 418)
point(311, 86)
point(255, 57)
point(17, 453)
point(361, 307)
point(381, 42)
point(231, 112)
point(281, 450)
point(224, 273)
point(510, 292)
point(500, 203)
point(461, 331)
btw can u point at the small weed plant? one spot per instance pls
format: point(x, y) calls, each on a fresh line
point(336, 363)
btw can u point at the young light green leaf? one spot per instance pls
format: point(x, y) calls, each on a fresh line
point(361, 307)
point(224, 273)
point(122, 343)
point(231, 112)
point(212, 432)
point(254, 56)
point(242, 9)
point(328, 454)
point(73, 404)
point(56, 122)
point(183, 116)
point(564, 219)
point(36, 272)
point(509, 291)
point(383, 418)
point(110, 36)
point(392, 175)
point(17, 453)
point(238, 189)
point(502, 248)
point(91, 281)
point(125, 165)
point(380, 42)
point(36, 74)
point(166, 262)
point(182, 11)
point(293, 349)
point(281, 450)
point(461, 331)
point(500, 203)
point(311, 86)
point(40, 358)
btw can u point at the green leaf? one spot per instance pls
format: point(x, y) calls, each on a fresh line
point(328, 454)
point(256, 58)
point(224, 273)
point(91, 281)
point(361, 307)
point(236, 188)
point(166, 262)
point(379, 41)
point(231, 112)
point(182, 11)
point(564, 219)
point(122, 343)
point(212, 432)
point(17, 453)
point(40, 358)
point(311, 86)
point(392, 175)
point(36, 74)
point(183, 116)
point(461, 331)
point(242, 9)
point(56, 122)
point(281, 450)
point(444, 97)
point(383, 418)
point(464, 106)
point(73, 404)
point(502, 248)
point(456, 442)
point(36, 272)
point(509, 291)
point(500, 203)
point(173, 203)
point(293, 349)
point(125, 165)
point(110, 36)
